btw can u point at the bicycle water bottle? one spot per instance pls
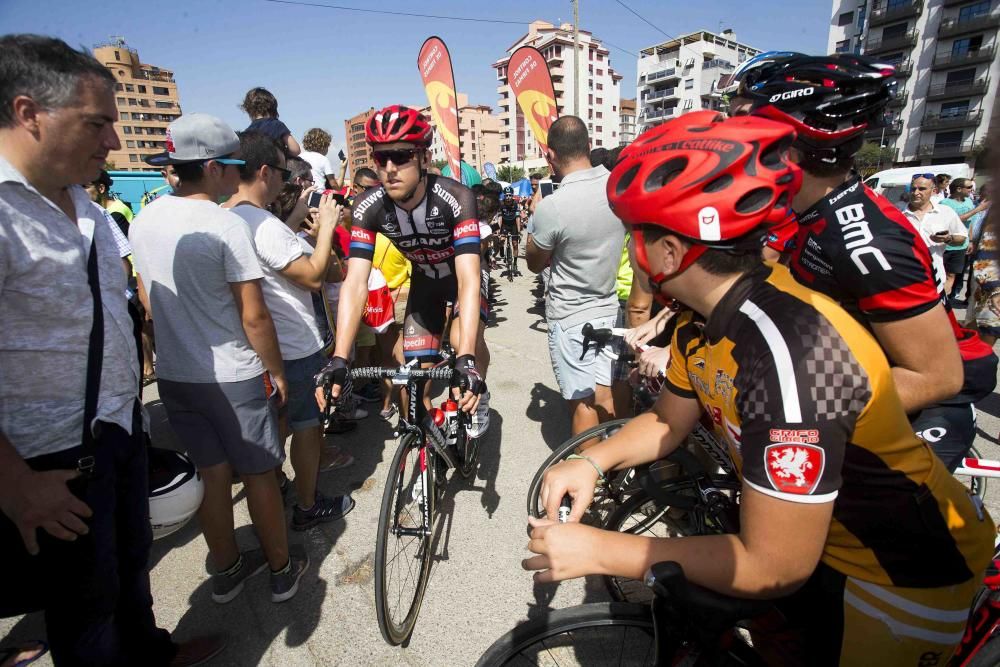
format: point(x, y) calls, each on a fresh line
point(450, 409)
point(432, 427)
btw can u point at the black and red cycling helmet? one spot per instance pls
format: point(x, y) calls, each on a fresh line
point(398, 123)
point(829, 100)
point(716, 182)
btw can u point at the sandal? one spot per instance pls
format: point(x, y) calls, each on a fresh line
point(8, 656)
point(148, 379)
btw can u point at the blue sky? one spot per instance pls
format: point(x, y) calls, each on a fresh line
point(326, 65)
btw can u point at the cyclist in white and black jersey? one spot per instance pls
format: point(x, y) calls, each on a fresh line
point(432, 220)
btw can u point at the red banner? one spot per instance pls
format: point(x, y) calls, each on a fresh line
point(528, 76)
point(434, 63)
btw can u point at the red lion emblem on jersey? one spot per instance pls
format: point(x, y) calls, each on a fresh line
point(794, 468)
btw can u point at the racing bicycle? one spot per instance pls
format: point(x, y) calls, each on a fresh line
point(430, 445)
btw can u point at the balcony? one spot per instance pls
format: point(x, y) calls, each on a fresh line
point(892, 129)
point(662, 94)
point(947, 149)
point(883, 13)
point(904, 68)
point(944, 91)
point(905, 41)
point(898, 100)
point(963, 58)
point(654, 114)
point(662, 74)
point(960, 26)
point(947, 121)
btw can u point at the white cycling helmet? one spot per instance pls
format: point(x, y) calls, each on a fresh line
point(175, 491)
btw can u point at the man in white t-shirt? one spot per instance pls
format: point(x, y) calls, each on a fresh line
point(289, 276)
point(939, 225)
point(214, 340)
point(315, 144)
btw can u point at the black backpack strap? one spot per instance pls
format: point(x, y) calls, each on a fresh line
point(95, 356)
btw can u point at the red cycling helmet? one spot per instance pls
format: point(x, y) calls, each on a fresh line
point(398, 123)
point(716, 182)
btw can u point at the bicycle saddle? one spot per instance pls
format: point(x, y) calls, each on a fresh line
point(703, 609)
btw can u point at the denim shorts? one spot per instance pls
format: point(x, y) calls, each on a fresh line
point(577, 378)
point(224, 422)
point(303, 412)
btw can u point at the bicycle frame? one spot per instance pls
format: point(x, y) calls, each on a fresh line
point(978, 468)
point(984, 619)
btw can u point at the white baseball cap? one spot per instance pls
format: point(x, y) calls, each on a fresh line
point(196, 137)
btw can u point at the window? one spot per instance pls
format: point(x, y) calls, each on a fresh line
point(847, 18)
point(600, 72)
point(952, 138)
point(129, 88)
point(121, 101)
point(118, 56)
point(967, 45)
point(590, 99)
point(843, 46)
point(599, 142)
point(955, 109)
point(130, 144)
point(614, 107)
point(893, 31)
point(163, 105)
point(600, 86)
point(590, 69)
point(127, 130)
point(119, 87)
point(142, 89)
point(600, 57)
point(961, 76)
point(600, 100)
point(124, 115)
point(970, 12)
point(160, 90)
point(600, 129)
point(600, 115)
point(614, 134)
point(133, 158)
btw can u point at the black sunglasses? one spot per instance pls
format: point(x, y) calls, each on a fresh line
point(398, 157)
point(286, 174)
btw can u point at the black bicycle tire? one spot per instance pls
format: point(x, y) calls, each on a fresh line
point(636, 500)
point(392, 635)
point(559, 454)
point(467, 467)
point(600, 614)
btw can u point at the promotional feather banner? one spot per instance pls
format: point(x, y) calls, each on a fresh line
point(434, 63)
point(528, 76)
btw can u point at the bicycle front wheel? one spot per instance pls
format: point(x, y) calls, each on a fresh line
point(608, 633)
point(403, 551)
point(604, 497)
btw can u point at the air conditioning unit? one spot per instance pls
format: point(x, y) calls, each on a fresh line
point(689, 62)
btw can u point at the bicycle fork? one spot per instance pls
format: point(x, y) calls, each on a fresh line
point(424, 530)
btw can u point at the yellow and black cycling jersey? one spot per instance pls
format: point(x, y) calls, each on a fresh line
point(803, 395)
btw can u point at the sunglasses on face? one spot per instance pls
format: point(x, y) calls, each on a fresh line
point(398, 157)
point(286, 174)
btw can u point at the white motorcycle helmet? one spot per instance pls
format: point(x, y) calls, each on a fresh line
point(175, 491)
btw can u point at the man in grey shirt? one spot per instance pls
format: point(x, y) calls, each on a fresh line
point(214, 339)
point(74, 527)
point(576, 231)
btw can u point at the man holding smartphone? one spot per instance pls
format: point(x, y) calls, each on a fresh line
point(939, 225)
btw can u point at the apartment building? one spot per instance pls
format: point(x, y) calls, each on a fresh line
point(626, 131)
point(147, 100)
point(478, 132)
point(682, 74)
point(600, 95)
point(945, 54)
point(359, 153)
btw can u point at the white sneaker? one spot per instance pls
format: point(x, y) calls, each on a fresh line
point(481, 419)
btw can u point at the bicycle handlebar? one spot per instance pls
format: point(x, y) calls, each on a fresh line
point(602, 337)
point(378, 373)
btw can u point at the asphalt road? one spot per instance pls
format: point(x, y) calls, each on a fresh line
point(477, 589)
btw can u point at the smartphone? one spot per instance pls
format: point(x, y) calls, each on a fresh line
point(316, 196)
point(547, 188)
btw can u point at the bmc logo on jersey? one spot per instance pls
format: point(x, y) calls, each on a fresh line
point(794, 468)
point(792, 94)
point(858, 237)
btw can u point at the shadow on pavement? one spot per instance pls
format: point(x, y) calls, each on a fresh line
point(549, 409)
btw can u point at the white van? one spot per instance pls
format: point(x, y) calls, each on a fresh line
point(902, 176)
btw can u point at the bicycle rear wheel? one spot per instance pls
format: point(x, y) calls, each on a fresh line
point(608, 633)
point(604, 497)
point(403, 562)
point(641, 514)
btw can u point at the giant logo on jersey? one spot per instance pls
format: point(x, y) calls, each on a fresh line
point(794, 467)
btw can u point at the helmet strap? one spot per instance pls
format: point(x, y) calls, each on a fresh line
point(656, 280)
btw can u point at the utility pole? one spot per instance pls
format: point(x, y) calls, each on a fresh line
point(576, 58)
